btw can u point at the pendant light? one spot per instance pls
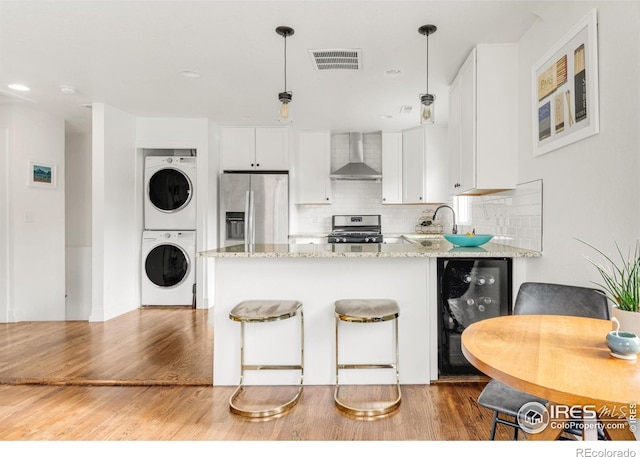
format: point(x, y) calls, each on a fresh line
point(427, 100)
point(285, 97)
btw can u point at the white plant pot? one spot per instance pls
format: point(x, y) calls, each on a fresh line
point(629, 320)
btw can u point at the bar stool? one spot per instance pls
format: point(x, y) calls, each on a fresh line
point(367, 311)
point(261, 311)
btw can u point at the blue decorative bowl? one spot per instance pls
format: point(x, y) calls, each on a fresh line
point(624, 345)
point(467, 241)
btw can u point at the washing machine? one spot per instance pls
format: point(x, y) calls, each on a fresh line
point(168, 267)
point(169, 187)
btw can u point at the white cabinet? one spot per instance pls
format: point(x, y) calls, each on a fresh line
point(455, 131)
point(413, 165)
point(424, 165)
point(436, 163)
point(272, 148)
point(391, 167)
point(255, 148)
point(313, 167)
point(238, 148)
point(483, 122)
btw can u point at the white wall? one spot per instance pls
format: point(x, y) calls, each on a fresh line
point(115, 209)
point(590, 187)
point(78, 225)
point(176, 133)
point(107, 186)
point(212, 172)
point(33, 218)
point(4, 222)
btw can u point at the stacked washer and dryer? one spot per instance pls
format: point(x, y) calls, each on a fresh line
point(169, 236)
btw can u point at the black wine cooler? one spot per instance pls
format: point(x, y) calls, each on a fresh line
point(469, 290)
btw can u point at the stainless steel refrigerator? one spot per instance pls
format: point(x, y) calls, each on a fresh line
point(254, 208)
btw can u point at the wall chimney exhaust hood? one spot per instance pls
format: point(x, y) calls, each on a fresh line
point(356, 169)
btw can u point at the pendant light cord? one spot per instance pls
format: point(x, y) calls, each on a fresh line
point(285, 62)
point(427, 62)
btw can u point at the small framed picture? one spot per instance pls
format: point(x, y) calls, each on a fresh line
point(42, 174)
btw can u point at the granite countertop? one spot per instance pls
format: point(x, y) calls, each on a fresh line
point(418, 246)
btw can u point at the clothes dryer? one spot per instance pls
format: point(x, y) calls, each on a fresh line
point(169, 188)
point(168, 267)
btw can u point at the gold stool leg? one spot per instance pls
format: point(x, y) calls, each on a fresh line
point(277, 410)
point(374, 411)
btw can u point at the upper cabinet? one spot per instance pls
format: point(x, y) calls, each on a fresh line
point(391, 167)
point(255, 148)
point(313, 167)
point(483, 122)
point(414, 166)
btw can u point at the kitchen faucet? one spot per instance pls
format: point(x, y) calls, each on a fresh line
point(454, 230)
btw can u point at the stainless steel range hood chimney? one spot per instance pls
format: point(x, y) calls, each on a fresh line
point(356, 169)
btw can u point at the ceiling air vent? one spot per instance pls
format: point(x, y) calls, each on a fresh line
point(406, 109)
point(336, 59)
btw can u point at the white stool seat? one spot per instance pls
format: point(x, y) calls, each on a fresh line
point(264, 310)
point(367, 310)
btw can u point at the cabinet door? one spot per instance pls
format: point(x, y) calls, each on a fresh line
point(454, 137)
point(467, 166)
point(272, 149)
point(391, 167)
point(238, 148)
point(496, 116)
point(313, 167)
point(436, 164)
point(413, 165)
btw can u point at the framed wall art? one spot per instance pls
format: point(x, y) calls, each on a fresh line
point(42, 174)
point(565, 89)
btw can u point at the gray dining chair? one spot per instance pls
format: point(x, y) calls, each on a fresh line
point(540, 298)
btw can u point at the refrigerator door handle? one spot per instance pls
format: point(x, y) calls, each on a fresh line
point(249, 234)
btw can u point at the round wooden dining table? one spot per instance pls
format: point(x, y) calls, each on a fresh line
point(564, 360)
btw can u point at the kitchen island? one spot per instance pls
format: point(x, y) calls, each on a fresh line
point(318, 275)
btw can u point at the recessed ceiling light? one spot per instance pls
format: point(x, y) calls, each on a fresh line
point(190, 74)
point(67, 90)
point(19, 87)
point(392, 72)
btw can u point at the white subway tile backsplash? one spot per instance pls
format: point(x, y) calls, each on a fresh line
point(515, 215)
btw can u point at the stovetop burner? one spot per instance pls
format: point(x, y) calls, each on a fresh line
point(356, 229)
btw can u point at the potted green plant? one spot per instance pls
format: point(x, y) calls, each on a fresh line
point(621, 284)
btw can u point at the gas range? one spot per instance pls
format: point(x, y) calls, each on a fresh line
point(356, 229)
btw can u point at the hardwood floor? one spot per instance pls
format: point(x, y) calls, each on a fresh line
point(149, 346)
point(147, 376)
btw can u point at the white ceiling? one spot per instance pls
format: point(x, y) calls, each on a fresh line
point(131, 54)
